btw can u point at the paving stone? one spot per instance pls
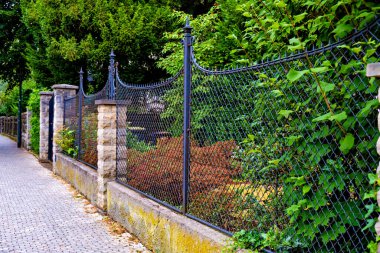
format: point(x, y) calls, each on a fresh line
point(39, 214)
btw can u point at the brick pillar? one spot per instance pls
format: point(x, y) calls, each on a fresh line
point(106, 148)
point(45, 97)
point(61, 92)
point(373, 70)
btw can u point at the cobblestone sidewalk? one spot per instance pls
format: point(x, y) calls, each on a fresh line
point(39, 214)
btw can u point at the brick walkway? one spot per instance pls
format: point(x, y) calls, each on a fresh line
point(39, 214)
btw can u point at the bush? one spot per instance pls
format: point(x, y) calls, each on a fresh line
point(66, 142)
point(33, 104)
point(159, 171)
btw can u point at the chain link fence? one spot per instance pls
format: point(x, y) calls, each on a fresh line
point(287, 146)
point(282, 147)
point(81, 125)
point(152, 154)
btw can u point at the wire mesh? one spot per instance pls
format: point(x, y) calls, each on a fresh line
point(71, 123)
point(285, 146)
point(71, 113)
point(149, 144)
point(89, 127)
point(81, 116)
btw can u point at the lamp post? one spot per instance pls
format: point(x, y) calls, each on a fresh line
point(19, 116)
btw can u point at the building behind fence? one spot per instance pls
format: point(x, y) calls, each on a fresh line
point(281, 147)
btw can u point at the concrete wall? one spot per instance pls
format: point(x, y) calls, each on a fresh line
point(159, 228)
point(82, 177)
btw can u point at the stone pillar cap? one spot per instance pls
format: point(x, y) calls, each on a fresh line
point(65, 86)
point(111, 102)
point(105, 102)
point(46, 93)
point(373, 69)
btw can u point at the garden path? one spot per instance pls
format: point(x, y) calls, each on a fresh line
point(39, 212)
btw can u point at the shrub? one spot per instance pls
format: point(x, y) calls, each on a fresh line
point(159, 171)
point(66, 141)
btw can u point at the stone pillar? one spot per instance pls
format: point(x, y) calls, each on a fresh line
point(106, 148)
point(45, 97)
point(26, 140)
point(373, 70)
point(121, 140)
point(61, 92)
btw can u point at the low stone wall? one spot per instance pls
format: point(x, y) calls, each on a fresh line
point(82, 177)
point(159, 228)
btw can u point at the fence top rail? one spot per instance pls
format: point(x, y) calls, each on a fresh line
point(292, 57)
point(148, 86)
point(82, 93)
point(101, 92)
point(71, 98)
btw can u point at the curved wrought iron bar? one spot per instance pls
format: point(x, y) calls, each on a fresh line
point(71, 98)
point(147, 86)
point(102, 91)
point(205, 70)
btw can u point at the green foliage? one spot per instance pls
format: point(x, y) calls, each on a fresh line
point(33, 104)
point(134, 143)
point(66, 141)
point(257, 240)
point(9, 97)
point(69, 34)
point(13, 37)
point(310, 120)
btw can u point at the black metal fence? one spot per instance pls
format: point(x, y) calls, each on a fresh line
point(81, 118)
point(153, 147)
point(8, 125)
point(283, 147)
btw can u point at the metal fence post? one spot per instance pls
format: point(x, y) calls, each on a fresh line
point(111, 75)
point(187, 43)
point(80, 105)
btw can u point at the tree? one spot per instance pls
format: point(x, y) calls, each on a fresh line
point(13, 37)
point(68, 34)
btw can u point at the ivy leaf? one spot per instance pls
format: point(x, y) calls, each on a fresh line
point(372, 178)
point(275, 162)
point(326, 87)
point(299, 17)
point(294, 75)
point(306, 189)
point(333, 233)
point(370, 224)
point(371, 209)
point(367, 108)
point(277, 93)
point(343, 29)
point(322, 117)
point(347, 143)
point(247, 14)
point(291, 139)
point(285, 113)
point(319, 69)
point(370, 195)
point(339, 117)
